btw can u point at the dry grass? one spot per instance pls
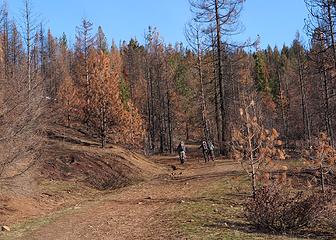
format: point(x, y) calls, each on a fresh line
point(219, 215)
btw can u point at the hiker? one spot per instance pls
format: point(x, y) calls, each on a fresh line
point(204, 147)
point(211, 148)
point(181, 149)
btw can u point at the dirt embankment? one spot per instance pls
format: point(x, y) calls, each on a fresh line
point(70, 156)
point(72, 169)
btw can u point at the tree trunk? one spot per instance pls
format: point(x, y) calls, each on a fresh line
point(331, 23)
point(251, 157)
point(152, 127)
point(28, 30)
point(326, 98)
point(322, 178)
point(170, 128)
point(283, 112)
point(200, 75)
point(103, 127)
point(149, 116)
point(328, 121)
point(305, 117)
point(187, 130)
point(223, 149)
point(254, 181)
point(217, 110)
point(6, 49)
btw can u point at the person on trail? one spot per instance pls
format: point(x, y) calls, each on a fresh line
point(205, 150)
point(211, 148)
point(181, 149)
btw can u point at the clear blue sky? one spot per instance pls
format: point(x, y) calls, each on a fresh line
point(276, 21)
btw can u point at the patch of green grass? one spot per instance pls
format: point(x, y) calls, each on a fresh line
point(217, 213)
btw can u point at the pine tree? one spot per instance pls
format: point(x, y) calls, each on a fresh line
point(110, 117)
point(69, 100)
point(255, 147)
point(261, 75)
point(101, 42)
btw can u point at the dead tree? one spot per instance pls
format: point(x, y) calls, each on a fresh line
point(29, 28)
point(193, 34)
point(223, 14)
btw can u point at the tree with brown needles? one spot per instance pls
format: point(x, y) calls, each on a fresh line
point(68, 100)
point(255, 147)
point(110, 117)
point(103, 96)
point(321, 156)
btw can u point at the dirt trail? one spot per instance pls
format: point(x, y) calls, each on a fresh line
point(136, 212)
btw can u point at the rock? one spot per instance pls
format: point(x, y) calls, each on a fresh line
point(190, 220)
point(140, 203)
point(182, 201)
point(5, 229)
point(149, 198)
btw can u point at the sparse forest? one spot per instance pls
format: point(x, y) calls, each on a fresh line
point(271, 111)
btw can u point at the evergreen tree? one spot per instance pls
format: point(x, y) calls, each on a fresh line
point(101, 42)
point(261, 76)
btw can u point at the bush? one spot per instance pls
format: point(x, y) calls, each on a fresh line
point(274, 209)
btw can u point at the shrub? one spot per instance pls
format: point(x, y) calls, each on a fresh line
point(275, 209)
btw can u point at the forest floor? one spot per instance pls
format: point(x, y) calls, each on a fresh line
point(194, 201)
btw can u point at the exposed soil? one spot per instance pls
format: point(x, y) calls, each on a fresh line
point(81, 191)
point(69, 155)
point(134, 212)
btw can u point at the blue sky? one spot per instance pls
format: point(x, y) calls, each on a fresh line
point(276, 21)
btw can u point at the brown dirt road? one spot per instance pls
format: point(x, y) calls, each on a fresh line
point(136, 212)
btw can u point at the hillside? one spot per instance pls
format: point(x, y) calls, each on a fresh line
point(72, 169)
point(71, 156)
